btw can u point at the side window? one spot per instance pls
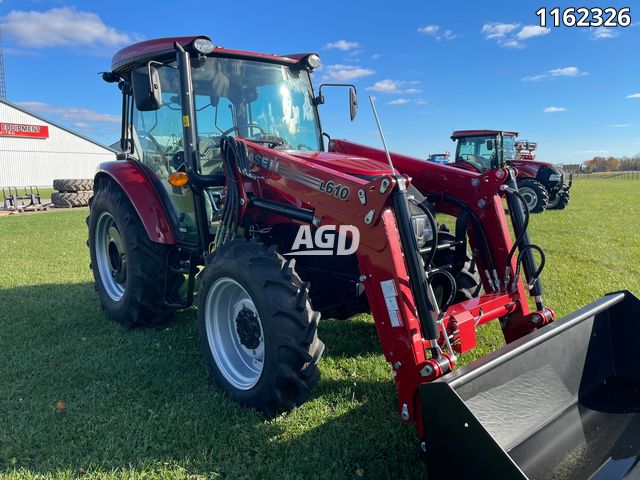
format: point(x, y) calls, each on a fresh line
point(466, 149)
point(157, 136)
point(212, 122)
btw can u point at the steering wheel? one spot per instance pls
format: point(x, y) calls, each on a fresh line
point(468, 158)
point(236, 128)
point(147, 137)
point(159, 150)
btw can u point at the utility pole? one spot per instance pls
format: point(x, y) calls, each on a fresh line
point(3, 87)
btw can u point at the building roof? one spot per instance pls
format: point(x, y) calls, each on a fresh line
point(57, 125)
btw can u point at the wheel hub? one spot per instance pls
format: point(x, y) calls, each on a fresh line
point(116, 255)
point(248, 328)
point(529, 197)
point(110, 256)
point(234, 333)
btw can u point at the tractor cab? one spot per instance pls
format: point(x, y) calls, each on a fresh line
point(484, 150)
point(179, 108)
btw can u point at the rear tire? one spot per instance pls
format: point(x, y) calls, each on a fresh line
point(560, 201)
point(534, 194)
point(70, 199)
point(258, 332)
point(130, 271)
point(73, 184)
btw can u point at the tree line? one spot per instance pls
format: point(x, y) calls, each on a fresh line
point(611, 164)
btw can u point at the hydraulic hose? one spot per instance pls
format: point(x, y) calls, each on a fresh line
point(536, 274)
point(454, 287)
point(445, 306)
point(486, 255)
point(525, 225)
point(520, 217)
point(434, 229)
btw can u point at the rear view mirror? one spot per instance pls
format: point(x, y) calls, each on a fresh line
point(353, 97)
point(353, 103)
point(489, 145)
point(146, 88)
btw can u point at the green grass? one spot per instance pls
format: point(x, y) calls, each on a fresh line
point(137, 404)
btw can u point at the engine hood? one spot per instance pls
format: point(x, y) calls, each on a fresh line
point(349, 164)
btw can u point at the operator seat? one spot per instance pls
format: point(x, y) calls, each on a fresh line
point(210, 155)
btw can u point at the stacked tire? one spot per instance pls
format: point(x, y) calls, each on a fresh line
point(72, 192)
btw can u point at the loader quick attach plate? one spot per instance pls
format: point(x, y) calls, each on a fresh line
point(561, 403)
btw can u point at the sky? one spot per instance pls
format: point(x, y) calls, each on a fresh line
point(433, 67)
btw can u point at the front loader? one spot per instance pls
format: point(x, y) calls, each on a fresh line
point(224, 181)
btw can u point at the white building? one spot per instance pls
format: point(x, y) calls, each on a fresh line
point(34, 151)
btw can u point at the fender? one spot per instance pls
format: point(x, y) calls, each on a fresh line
point(138, 187)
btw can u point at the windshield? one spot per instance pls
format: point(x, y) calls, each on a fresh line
point(509, 148)
point(263, 102)
point(480, 152)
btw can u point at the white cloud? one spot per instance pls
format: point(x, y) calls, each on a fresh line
point(498, 30)
point(399, 101)
point(633, 95)
point(620, 125)
point(507, 35)
point(556, 72)
point(65, 26)
point(343, 73)
point(434, 31)
point(343, 45)
point(566, 72)
point(554, 109)
point(376, 56)
point(530, 31)
point(535, 78)
point(512, 44)
point(393, 86)
point(81, 116)
point(601, 33)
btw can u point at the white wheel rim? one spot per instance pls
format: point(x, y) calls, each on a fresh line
point(234, 332)
point(530, 196)
point(110, 256)
point(555, 201)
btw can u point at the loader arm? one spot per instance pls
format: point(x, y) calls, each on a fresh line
point(482, 197)
point(383, 262)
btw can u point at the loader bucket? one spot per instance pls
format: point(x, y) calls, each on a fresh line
point(560, 403)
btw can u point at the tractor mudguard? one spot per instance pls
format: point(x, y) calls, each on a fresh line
point(562, 402)
point(137, 184)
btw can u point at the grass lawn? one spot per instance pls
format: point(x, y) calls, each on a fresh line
point(80, 394)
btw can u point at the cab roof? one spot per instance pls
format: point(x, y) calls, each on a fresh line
point(479, 133)
point(140, 53)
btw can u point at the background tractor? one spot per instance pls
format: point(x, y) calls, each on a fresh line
point(542, 184)
point(224, 176)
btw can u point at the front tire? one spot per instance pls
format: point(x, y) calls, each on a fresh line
point(560, 201)
point(467, 277)
point(131, 272)
point(534, 193)
point(258, 332)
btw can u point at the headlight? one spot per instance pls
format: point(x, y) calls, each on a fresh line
point(203, 45)
point(313, 61)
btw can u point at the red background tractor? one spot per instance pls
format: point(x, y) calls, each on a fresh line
point(542, 184)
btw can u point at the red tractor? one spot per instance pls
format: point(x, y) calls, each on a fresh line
point(225, 180)
point(540, 183)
